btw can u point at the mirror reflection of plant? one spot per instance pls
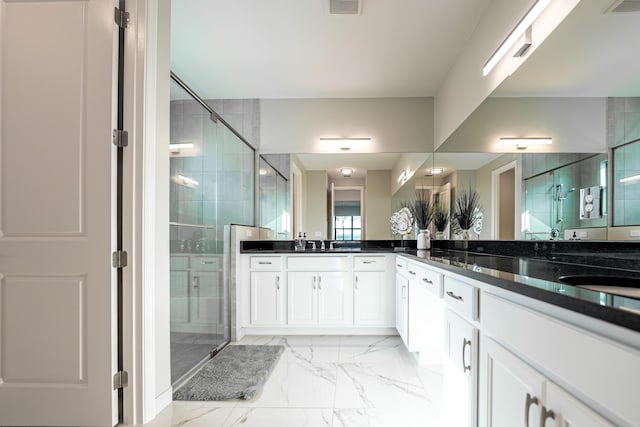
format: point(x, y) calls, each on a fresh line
point(467, 204)
point(421, 209)
point(440, 216)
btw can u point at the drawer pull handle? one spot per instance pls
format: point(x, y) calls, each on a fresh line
point(207, 262)
point(424, 279)
point(546, 413)
point(454, 296)
point(465, 342)
point(531, 400)
point(399, 265)
point(412, 272)
point(264, 262)
point(368, 262)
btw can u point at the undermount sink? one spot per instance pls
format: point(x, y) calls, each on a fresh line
point(619, 285)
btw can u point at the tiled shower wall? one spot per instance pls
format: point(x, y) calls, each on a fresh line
point(542, 172)
point(221, 164)
point(623, 127)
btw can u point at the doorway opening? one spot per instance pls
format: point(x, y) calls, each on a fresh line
point(505, 195)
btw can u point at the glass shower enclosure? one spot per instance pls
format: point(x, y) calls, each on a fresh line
point(211, 185)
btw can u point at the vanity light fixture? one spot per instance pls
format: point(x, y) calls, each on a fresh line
point(513, 37)
point(403, 176)
point(522, 143)
point(186, 181)
point(630, 178)
point(436, 170)
point(175, 148)
point(346, 144)
point(263, 172)
point(346, 172)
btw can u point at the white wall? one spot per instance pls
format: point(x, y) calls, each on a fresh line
point(314, 210)
point(394, 124)
point(377, 196)
point(465, 87)
point(577, 125)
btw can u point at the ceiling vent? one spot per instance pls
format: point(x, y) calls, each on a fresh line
point(344, 7)
point(623, 6)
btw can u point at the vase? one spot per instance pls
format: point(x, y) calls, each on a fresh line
point(424, 240)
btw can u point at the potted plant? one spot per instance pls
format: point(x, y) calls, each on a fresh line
point(422, 212)
point(440, 219)
point(465, 213)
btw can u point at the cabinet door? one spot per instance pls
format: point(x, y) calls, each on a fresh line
point(370, 301)
point(514, 390)
point(179, 292)
point(567, 411)
point(266, 298)
point(426, 323)
point(460, 372)
point(402, 307)
point(335, 299)
point(302, 298)
point(206, 297)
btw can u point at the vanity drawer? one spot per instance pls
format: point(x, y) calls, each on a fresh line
point(432, 280)
point(401, 264)
point(266, 262)
point(317, 263)
point(205, 263)
point(369, 263)
point(179, 262)
point(461, 297)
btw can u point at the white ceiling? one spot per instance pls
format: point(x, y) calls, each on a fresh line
point(227, 49)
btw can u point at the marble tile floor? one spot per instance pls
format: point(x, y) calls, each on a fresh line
point(335, 381)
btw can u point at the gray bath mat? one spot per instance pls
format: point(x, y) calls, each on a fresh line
point(238, 371)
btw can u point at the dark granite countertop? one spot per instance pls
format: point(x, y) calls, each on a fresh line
point(528, 268)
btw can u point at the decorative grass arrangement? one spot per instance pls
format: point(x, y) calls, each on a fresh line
point(467, 204)
point(440, 217)
point(421, 209)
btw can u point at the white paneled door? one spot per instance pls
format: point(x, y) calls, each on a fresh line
point(57, 286)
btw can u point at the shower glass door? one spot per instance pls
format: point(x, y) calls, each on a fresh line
point(211, 184)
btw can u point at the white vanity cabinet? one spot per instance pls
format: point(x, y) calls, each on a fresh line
point(267, 298)
point(460, 370)
point(426, 313)
point(321, 293)
point(402, 300)
point(372, 293)
point(539, 371)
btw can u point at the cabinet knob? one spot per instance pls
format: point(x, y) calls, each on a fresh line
point(531, 400)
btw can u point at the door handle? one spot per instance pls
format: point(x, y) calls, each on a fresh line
point(465, 342)
point(454, 296)
point(544, 414)
point(531, 400)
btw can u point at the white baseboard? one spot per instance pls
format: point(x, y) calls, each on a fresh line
point(288, 330)
point(164, 399)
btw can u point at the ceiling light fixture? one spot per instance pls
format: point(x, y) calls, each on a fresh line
point(346, 172)
point(346, 144)
point(522, 143)
point(436, 170)
point(630, 178)
point(517, 32)
point(186, 181)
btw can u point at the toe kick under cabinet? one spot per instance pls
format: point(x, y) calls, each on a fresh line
point(316, 293)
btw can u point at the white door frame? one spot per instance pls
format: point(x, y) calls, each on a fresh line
point(517, 199)
point(359, 188)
